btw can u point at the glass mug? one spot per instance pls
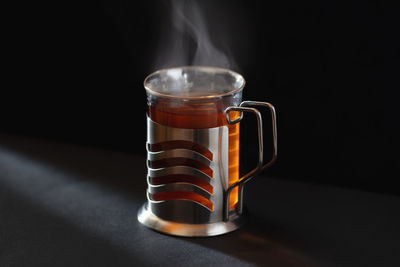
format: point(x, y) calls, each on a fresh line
point(193, 115)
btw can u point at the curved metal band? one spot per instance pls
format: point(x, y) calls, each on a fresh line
point(176, 210)
point(179, 152)
point(179, 170)
point(207, 171)
point(187, 187)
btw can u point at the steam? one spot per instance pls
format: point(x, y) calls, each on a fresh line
point(189, 39)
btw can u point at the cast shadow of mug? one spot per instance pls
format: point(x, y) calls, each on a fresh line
point(259, 242)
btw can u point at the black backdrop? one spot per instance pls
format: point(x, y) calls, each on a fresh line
point(73, 72)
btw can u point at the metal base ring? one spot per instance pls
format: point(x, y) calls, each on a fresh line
point(148, 219)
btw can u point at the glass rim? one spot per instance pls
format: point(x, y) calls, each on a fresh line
point(211, 96)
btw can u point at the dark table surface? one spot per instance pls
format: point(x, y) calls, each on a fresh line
point(63, 205)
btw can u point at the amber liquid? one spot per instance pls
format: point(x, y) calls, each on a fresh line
point(199, 115)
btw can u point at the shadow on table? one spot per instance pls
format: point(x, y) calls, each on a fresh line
point(259, 241)
point(120, 171)
point(41, 238)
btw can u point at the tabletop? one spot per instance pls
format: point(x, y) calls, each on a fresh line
point(69, 205)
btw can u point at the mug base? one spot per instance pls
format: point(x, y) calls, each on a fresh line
point(150, 220)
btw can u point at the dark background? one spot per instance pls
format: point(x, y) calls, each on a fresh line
point(73, 72)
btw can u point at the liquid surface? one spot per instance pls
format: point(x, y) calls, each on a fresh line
point(194, 81)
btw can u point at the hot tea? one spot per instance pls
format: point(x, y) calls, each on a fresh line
point(195, 115)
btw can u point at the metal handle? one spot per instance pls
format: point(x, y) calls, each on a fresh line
point(274, 128)
point(243, 107)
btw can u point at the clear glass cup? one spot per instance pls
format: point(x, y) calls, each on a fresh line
point(196, 97)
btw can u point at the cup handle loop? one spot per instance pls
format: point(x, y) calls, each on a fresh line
point(244, 107)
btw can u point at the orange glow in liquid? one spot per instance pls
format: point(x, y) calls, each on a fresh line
point(201, 115)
